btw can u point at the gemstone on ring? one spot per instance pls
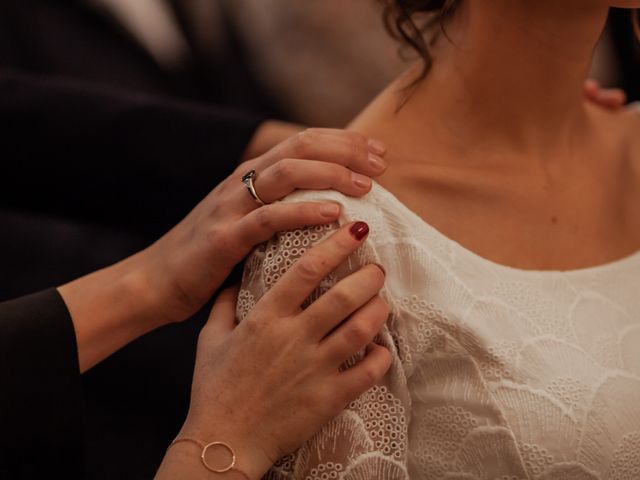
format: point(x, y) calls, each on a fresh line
point(248, 179)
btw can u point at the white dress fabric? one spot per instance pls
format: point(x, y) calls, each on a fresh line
point(498, 373)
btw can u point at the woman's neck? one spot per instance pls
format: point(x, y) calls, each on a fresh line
point(511, 77)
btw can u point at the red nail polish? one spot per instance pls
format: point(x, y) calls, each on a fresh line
point(359, 230)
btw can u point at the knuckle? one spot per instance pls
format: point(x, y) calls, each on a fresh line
point(309, 268)
point(375, 276)
point(283, 170)
point(357, 335)
point(358, 145)
point(341, 298)
point(304, 141)
point(370, 377)
point(341, 175)
point(310, 210)
point(363, 381)
point(204, 336)
point(263, 218)
point(252, 325)
point(313, 131)
point(358, 139)
point(298, 140)
point(344, 244)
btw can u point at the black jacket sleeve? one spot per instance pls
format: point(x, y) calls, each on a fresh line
point(76, 149)
point(41, 414)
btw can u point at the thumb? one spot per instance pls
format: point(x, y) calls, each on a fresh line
point(222, 319)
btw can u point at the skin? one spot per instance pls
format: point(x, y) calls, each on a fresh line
point(297, 354)
point(499, 149)
point(173, 278)
point(303, 350)
point(612, 98)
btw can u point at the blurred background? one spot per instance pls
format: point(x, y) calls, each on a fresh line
point(313, 62)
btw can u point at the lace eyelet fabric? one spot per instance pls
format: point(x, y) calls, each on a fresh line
point(498, 373)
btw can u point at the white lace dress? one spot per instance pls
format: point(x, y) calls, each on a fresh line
point(498, 373)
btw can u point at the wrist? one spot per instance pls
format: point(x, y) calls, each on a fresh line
point(164, 279)
point(147, 279)
point(139, 286)
point(109, 308)
point(185, 460)
point(250, 456)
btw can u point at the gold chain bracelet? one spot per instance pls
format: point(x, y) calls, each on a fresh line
point(203, 455)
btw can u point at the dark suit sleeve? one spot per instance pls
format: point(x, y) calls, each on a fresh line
point(105, 155)
point(41, 415)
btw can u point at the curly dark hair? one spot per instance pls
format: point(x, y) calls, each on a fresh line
point(418, 24)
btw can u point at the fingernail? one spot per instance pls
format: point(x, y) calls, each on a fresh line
point(359, 230)
point(377, 163)
point(330, 210)
point(361, 181)
point(377, 147)
point(381, 268)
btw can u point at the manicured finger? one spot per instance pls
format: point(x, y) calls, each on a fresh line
point(612, 99)
point(288, 175)
point(263, 223)
point(366, 373)
point(222, 318)
point(288, 294)
point(591, 86)
point(375, 146)
point(344, 298)
point(349, 149)
point(357, 332)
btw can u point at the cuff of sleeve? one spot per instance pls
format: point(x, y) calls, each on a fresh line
point(41, 411)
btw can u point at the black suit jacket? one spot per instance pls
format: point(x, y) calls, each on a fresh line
point(86, 113)
point(108, 155)
point(41, 408)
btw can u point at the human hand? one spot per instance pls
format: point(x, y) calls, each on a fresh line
point(613, 98)
point(267, 385)
point(187, 265)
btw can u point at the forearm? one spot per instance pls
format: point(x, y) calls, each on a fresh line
point(110, 308)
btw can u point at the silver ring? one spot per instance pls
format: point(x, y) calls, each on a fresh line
point(248, 179)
